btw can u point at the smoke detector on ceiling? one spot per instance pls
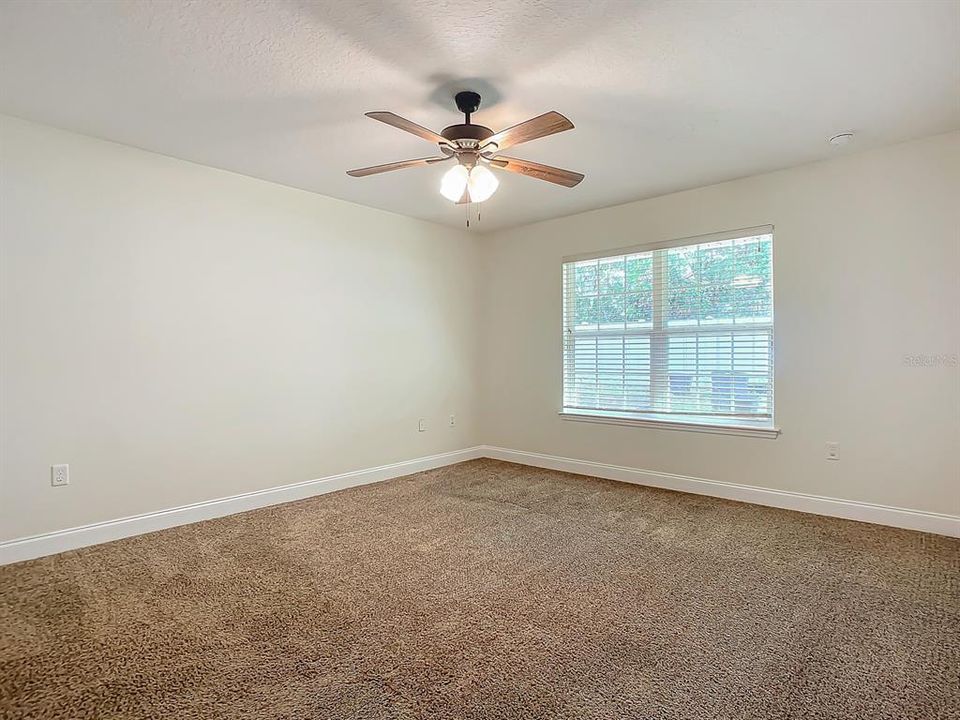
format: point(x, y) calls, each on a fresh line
point(841, 139)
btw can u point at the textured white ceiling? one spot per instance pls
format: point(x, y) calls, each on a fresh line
point(665, 95)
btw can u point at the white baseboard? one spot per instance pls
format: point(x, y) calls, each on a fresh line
point(73, 538)
point(851, 510)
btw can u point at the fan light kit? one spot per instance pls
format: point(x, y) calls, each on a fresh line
point(476, 149)
point(479, 183)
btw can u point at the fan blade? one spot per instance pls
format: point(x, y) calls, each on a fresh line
point(411, 127)
point(538, 127)
point(567, 178)
point(363, 172)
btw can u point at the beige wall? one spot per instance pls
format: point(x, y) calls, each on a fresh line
point(866, 271)
point(177, 333)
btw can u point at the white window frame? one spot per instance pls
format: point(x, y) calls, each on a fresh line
point(725, 425)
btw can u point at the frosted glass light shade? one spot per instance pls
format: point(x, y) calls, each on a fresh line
point(454, 182)
point(482, 184)
point(479, 183)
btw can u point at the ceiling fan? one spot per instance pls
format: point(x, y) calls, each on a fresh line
point(474, 147)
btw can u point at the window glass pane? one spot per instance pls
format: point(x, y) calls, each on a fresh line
point(586, 312)
point(611, 311)
point(752, 280)
point(638, 303)
point(639, 273)
point(586, 278)
point(682, 287)
point(611, 275)
point(638, 308)
point(716, 304)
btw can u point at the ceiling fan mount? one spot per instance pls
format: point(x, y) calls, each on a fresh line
point(475, 147)
point(468, 102)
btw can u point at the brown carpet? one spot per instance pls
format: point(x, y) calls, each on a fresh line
point(490, 590)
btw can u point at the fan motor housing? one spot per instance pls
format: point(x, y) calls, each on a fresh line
point(477, 133)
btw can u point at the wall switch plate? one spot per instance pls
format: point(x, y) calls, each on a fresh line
point(833, 451)
point(59, 475)
point(453, 420)
point(422, 425)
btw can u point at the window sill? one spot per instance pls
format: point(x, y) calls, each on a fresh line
point(640, 420)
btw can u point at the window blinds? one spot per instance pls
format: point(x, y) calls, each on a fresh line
point(679, 332)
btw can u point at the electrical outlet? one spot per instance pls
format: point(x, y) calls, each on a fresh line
point(422, 425)
point(833, 451)
point(453, 420)
point(59, 475)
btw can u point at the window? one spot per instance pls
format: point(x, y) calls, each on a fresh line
point(679, 333)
